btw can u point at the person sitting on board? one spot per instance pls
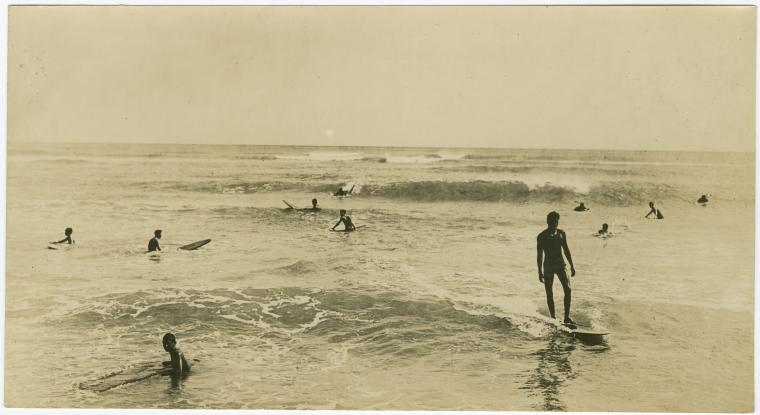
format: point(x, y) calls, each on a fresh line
point(342, 192)
point(346, 220)
point(153, 243)
point(653, 211)
point(604, 230)
point(67, 239)
point(581, 207)
point(178, 363)
point(549, 246)
point(703, 199)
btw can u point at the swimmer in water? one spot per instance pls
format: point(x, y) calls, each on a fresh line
point(153, 243)
point(314, 207)
point(581, 208)
point(604, 230)
point(703, 199)
point(654, 211)
point(550, 244)
point(67, 239)
point(346, 220)
point(178, 363)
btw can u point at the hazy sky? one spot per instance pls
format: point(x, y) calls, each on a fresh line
point(653, 78)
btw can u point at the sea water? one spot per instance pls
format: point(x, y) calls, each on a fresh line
point(436, 304)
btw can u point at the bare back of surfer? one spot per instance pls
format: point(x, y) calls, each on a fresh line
point(551, 243)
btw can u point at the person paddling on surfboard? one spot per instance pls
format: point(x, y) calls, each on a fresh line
point(346, 220)
point(178, 363)
point(549, 247)
point(581, 207)
point(153, 243)
point(67, 239)
point(703, 200)
point(342, 192)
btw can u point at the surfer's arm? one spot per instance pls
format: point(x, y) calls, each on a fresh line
point(569, 257)
point(539, 255)
point(336, 225)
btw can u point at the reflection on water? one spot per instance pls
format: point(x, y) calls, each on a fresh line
point(554, 368)
point(552, 372)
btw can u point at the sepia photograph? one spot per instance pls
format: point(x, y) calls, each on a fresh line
point(351, 207)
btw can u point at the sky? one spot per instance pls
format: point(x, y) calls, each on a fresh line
point(595, 77)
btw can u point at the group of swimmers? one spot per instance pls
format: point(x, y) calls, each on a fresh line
point(551, 244)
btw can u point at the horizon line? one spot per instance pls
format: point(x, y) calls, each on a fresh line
point(9, 143)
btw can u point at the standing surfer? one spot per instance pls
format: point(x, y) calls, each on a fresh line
point(549, 247)
point(153, 243)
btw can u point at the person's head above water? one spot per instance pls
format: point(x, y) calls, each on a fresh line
point(68, 231)
point(581, 204)
point(552, 219)
point(314, 202)
point(169, 342)
point(157, 233)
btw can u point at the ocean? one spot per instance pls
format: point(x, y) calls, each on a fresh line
point(434, 305)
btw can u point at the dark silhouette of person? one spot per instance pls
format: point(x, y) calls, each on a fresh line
point(67, 239)
point(654, 211)
point(346, 220)
point(153, 243)
point(550, 244)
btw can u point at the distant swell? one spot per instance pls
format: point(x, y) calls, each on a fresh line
point(514, 191)
point(610, 193)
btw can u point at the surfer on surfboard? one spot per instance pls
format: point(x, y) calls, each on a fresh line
point(581, 207)
point(153, 243)
point(67, 239)
point(342, 192)
point(178, 363)
point(549, 247)
point(346, 220)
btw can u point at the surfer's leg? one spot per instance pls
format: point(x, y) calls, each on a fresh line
point(548, 281)
point(562, 275)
